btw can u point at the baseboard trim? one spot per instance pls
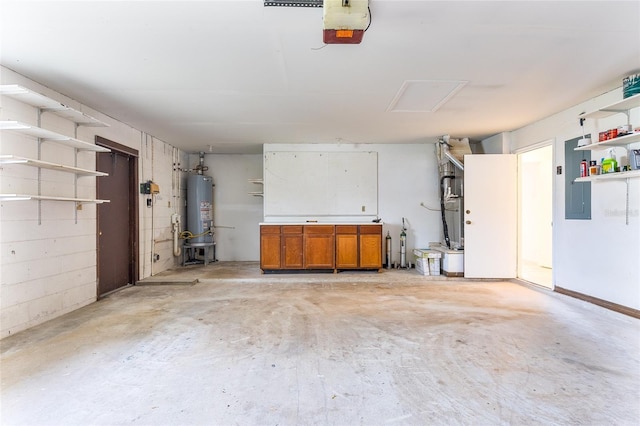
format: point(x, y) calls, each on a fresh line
point(600, 302)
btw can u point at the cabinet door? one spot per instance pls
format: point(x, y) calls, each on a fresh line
point(371, 246)
point(292, 253)
point(270, 247)
point(346, 251)
point(319, 247)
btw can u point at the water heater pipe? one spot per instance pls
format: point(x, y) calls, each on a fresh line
point(176, 233)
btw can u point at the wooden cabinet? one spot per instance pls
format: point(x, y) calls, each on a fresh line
point(358, 246)
point(270, 247)
point(346, 246)
point(370, 246)
point(291, 247)
point(319, 247)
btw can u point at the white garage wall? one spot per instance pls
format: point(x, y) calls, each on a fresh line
point(407, 177)
point(49, 269)
point(597, 257)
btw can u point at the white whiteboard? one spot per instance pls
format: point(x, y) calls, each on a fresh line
point(321, 184)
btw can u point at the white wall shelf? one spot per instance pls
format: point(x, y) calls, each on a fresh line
point(622, 106)
point(619, 141)
point(13, 159)
point(49, 136)
point(257, 193)
point(610, 176)
point(46, 104)
point(26, 197)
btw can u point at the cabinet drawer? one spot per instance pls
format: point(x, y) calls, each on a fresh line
point(319, 229)
point(270, 229)
point(292, 229)
point(346, 229)
point(371, 229)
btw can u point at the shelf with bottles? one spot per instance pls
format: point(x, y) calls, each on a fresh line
point(610, 176)
point(621, 107)
point(622, 141)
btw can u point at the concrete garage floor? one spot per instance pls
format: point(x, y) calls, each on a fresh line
point(239, 347)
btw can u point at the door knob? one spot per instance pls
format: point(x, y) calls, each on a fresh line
point(468, 222)
point(468, 211)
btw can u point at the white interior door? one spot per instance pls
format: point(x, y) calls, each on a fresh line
point(491, 207)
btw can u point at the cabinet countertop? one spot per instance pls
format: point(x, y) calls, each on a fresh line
point(320, 223)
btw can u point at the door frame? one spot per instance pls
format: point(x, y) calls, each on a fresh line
point(133, 211)
point(529, 148)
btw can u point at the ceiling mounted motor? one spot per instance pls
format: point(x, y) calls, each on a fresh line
point(345, 21)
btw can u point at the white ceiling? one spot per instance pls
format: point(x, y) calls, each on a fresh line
point(234, 75)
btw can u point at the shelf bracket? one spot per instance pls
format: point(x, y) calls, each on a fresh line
point(626, 207)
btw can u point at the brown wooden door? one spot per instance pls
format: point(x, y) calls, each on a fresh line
point(319, 247)
point(270, 247)
point(371, 246)
point(117, 230)
point(346, 246)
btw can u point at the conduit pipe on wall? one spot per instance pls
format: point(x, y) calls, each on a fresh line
point(175, 193)
point(445, 228)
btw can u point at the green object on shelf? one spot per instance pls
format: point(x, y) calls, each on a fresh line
point(609, 165)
